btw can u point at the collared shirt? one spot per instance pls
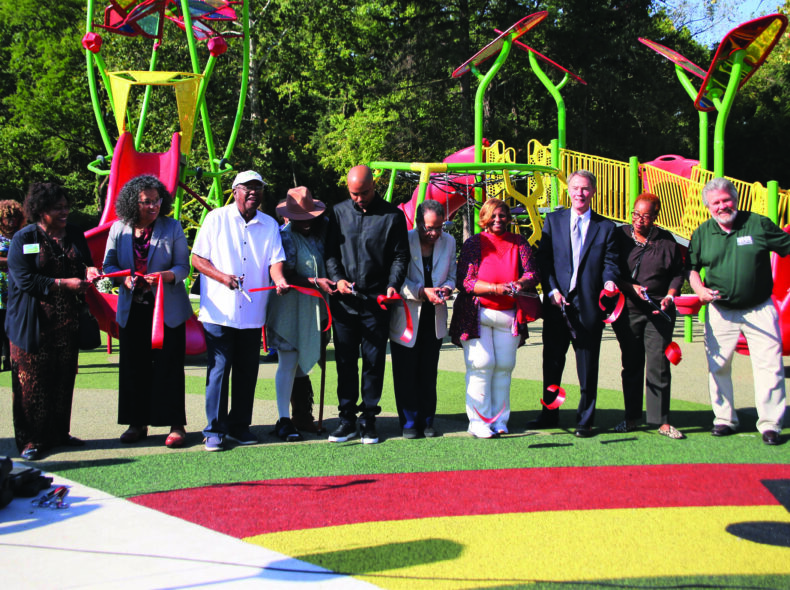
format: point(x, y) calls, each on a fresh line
point(235, 246)
point(369, 248)
point(738, 263)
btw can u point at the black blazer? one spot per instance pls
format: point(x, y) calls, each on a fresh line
point(597, 265)
point(26, 285)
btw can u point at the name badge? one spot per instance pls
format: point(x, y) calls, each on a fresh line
point(744, 241)
point(31, 249)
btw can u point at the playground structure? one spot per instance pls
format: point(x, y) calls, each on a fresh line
point(465, 178)
point(210, 21)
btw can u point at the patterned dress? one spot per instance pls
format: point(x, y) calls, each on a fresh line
point(43, 382)
point(5, 351)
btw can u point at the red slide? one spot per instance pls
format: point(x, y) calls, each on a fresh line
point(127, 163)
point(452, 197)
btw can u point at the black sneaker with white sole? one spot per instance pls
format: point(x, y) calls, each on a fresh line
point(287, 431)
point(344, 432)
point(369, 434)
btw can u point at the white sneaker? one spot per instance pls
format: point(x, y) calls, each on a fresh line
point(479, 430)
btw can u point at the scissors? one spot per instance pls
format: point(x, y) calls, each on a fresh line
point(658, 309)
point(567, 320)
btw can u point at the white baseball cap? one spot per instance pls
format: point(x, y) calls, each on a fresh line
point(247, 176)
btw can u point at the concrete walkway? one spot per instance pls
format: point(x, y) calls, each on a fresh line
point(107, 542)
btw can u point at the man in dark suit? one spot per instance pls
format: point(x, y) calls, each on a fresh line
point(577, 259)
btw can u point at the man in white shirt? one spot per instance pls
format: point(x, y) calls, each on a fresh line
point(237, 249)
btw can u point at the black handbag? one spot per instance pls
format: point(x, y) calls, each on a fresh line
point(90, 337)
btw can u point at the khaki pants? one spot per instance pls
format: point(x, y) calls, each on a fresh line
point(760, 326)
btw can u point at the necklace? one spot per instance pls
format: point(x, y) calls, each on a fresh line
point(647, 239)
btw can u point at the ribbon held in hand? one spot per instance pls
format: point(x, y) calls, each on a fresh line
point(558, 401)
point(304, 291)
point(618, 308)
point(382, 300)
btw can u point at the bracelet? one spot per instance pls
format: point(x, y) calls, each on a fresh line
point(672, 297)
point(57, 283)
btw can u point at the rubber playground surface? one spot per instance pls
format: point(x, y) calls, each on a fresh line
point(531, 509)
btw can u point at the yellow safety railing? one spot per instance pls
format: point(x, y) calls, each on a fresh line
point(682, 209)
point(611, 199)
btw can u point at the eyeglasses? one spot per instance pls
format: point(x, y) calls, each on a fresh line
point(150, 203)
point(645, 217)
point(246, 190)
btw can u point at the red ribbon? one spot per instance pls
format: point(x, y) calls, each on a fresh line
point(558, 401)
point(158, 324)
point(304, 291)
point(382, 300)
point(617, 308)
point(490, 420)
point(673, 353)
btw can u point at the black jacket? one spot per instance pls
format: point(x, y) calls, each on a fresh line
point(26, 285)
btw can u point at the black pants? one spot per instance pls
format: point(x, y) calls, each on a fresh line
point(643, 338)
point(414, 373)
point(360, 327)
point(150, 382)
point(587, 346)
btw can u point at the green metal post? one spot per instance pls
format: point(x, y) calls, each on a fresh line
point(554, 90)
point(703, 117)
point(391, 187)
point(724, 112)
point(773, 201)
point(633, 181)
point(555, 162)
point(92, 86)
point(146, 100)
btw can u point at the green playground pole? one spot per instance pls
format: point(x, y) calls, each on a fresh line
point(554, 90)
point(555, 162)
point(390, 187)
point(773, 201)
point(93, 87)
point(146, 101)
point(485, 81)
point(633, 184)
point(703, 117)
point(724, 112)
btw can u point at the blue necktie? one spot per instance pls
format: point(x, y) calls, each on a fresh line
point(576, 247)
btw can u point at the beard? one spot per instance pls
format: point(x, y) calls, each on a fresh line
point(726, 217)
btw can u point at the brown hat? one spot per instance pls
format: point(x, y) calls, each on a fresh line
point(299, 205)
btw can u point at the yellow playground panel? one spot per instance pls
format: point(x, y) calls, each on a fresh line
point(682, 209)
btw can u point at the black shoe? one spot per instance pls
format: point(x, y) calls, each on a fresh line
point(31, 453)
point(771, 437)
point(344, 432)
point(722, 430)
point(410, 433)
point(543, 421)
point(431, 432)
point(286, 430)
point(369, 434)
point(583, 432)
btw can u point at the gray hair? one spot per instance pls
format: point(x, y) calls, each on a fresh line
point(424, 207)
point(719, 184)
point(585, 174)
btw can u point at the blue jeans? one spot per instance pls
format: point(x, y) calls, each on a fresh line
point(230, 350)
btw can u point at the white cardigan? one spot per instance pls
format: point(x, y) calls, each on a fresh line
point(442, 275)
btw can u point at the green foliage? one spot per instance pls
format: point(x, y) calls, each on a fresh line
point(340, 82)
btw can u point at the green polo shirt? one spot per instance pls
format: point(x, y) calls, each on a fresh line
point(738, 263)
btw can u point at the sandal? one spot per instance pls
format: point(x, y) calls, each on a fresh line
point(671, 432)
point(176, 437)
point(625, 426)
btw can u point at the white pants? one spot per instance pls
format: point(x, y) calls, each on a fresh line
point(490, 360)
point(287, 370)
point(760, 326)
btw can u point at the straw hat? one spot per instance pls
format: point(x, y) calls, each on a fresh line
point(299, 205)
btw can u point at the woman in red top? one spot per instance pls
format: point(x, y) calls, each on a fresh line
point(487, 322)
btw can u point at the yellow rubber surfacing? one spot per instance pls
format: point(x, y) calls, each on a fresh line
point(480, 551)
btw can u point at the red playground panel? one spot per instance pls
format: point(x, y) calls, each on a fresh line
point(521, 27)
